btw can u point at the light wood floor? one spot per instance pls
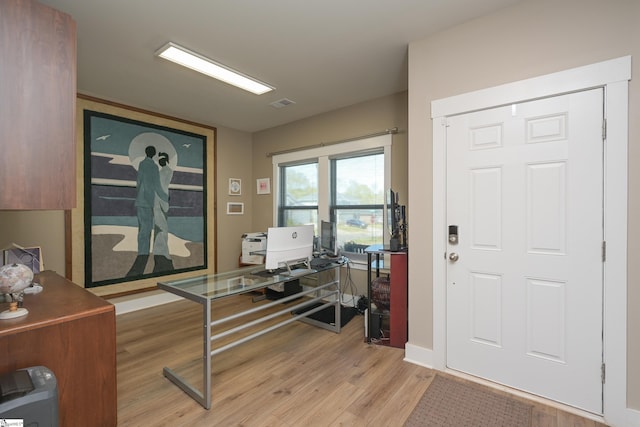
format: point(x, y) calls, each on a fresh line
point(298, 375)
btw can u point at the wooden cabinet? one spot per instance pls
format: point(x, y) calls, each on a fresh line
point(37, 107)
point(73, 333)
point(387, 321)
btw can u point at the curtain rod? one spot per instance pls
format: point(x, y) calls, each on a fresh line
point(325, 144)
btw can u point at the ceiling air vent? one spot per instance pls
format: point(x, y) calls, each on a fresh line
point(284, 102)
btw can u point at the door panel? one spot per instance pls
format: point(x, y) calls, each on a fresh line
point(524, 298)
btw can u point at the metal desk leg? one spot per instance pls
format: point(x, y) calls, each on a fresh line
point(206, 316)
point(338, 305)
point(368, 310)
point(203, 398)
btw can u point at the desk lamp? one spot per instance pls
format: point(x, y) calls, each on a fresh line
point(14, 278)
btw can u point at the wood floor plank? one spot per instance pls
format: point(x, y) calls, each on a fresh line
point(544, 416)
point(298, 375)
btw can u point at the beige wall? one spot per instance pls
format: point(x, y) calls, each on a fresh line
point(36, 228)
point(234, 160)
point(533, 38)
point(357, 120)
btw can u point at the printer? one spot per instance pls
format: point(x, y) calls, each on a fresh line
point(253, 242)
point(29, 395)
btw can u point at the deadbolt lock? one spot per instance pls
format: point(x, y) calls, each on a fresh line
point(453, 234)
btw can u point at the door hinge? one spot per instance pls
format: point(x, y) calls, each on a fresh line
point(603, 373)
point(604, 129)
point(604, 251)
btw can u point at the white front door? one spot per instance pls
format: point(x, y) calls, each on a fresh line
point(524, 296)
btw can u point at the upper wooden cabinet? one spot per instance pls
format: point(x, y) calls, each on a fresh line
point(37, 107)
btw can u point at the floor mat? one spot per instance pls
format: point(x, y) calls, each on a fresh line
point(451, 402)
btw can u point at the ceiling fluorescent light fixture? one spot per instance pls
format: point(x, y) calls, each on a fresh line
point(189, 59)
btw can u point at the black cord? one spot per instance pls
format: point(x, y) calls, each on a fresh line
point(348, 282)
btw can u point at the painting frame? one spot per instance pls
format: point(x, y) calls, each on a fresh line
point(263, 186)
point(235, 208)
point(235, 186)
point(79, 222)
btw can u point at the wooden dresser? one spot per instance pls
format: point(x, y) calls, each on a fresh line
point(72, 332)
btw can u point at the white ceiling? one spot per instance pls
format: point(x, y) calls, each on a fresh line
point(323, 55)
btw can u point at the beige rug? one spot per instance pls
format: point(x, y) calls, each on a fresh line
point(450, 402)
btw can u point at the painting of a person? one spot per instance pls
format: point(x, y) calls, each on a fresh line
point(161, 256)
point(148, 187)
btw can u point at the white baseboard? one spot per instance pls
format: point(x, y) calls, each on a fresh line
point(633, 416)
point(418, 355)
point(140, 303)
point(624, 418)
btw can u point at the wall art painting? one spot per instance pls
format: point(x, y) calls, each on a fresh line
point(263, 186)
point(145, 200)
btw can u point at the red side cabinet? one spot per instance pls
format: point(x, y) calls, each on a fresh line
point(386, 319)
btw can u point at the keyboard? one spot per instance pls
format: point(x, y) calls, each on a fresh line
point(299, 272)
point(269, 273)
point(318, 263)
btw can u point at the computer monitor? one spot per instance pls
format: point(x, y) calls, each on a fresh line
point(392, 213)
point(328, 241)
point(288, 245)
point(396, 222)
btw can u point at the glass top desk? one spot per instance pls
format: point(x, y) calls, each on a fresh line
point(206, 289)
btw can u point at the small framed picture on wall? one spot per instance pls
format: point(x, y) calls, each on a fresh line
point(235, 186)
point(263, 185)
point(235, 208)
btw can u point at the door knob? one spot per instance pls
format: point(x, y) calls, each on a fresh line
point(453, 257)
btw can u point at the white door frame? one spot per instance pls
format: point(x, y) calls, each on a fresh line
point(613, 76)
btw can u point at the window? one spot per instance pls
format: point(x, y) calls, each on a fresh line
point(345, 183)
point(357, 200)
point(298, 195)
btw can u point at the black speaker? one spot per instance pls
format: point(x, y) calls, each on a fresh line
point(30, 395)
point(376, 325)
point(288, 288)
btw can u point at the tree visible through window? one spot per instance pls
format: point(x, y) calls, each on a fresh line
point(299, 195)
point(357, 200)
